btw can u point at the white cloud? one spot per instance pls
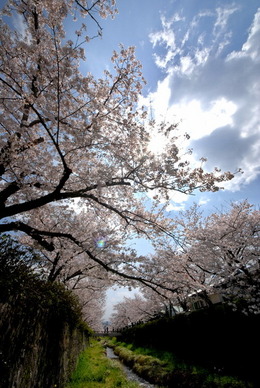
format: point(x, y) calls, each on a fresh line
point(192, 118)
point(166, 36)
point(158, 104)
point(177, 199)
point(195, 22)
point(216, 96)
point(252, 46)
point(162, 62)
point(166, 39)
point(172, 43)
point(199, 122)
point(203, 201)
point(159, 101)
point(21, 27)
point(172, 207)
point(201, 56)
point(223, 15)
point(187, 65)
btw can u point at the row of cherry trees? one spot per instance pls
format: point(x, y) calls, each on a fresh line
point(74, 151)
point(214, 254)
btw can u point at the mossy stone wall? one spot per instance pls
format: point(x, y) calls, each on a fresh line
point(41, 328)
point(37, 348)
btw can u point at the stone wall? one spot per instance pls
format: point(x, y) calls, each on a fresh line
point(41, 328)
point(38, 348)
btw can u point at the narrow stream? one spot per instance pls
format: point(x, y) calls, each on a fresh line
point(129, 373)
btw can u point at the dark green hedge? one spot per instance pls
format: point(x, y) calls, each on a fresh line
point(22, 281)
point(216, 338)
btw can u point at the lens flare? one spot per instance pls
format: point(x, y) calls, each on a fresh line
point(100, 242)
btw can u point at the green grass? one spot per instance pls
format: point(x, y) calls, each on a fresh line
point(95, 370)
point(159, 366)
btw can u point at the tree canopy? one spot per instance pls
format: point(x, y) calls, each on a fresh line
point(74, 150)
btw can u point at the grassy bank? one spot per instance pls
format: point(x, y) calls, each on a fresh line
point(95, 370)
point(163, 368)
point(217, 339)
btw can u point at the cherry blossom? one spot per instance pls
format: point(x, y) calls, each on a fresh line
point(214, 254)
point(67, 136)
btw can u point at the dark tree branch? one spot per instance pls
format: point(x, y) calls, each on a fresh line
point(12, 188)
point(89, 11)
point(32, 232)
point(55, 273)
point(56, 195)
point(38, 236)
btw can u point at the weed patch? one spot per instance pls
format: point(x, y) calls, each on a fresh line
point(164, 369)
point(95, 370)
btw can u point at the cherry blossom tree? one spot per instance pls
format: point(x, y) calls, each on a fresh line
point(225, 250)
point(218, 253)
point(133, 310)
point(92, 304)
point(74, 150)
point(144, 306)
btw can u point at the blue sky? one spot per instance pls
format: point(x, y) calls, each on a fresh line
point(201, 60)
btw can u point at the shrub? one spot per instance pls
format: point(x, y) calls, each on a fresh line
point(216, 338)
point(22, 284)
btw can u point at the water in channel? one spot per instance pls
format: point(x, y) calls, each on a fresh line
point(129, 373)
